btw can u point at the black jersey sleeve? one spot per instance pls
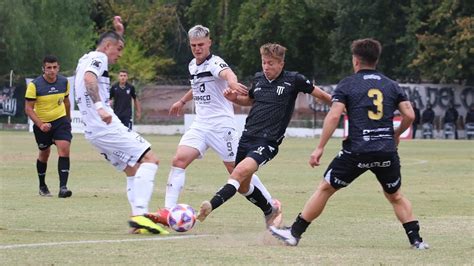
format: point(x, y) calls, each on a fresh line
point(402, 96)
point(303, 84)
point(132, 92)
point(112, 92)
point(253, 85)
point(339, 94)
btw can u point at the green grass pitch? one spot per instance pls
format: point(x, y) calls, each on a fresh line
point(357, 227)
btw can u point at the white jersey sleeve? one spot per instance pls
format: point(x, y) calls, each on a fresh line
point(217, 65)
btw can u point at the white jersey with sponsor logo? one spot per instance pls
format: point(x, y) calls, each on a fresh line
point(213, 110)
point(97, 63)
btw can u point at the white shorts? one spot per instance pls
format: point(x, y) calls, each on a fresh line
point(121, 147)
point(224, 142)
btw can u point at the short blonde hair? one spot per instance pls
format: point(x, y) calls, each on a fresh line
point(274, 50)
point(198, 31)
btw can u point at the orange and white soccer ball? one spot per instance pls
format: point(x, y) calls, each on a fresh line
point(181, 218)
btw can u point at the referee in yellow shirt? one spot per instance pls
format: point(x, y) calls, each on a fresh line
point(47, 105)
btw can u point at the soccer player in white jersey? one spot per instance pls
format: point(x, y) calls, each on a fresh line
point(123, 148)
point(214, 125)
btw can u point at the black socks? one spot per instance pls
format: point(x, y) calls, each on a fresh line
point(41, 170)
point(412, 228)
point(63, 170)
point(221, 196)
point(257, 198)
point(299, 226)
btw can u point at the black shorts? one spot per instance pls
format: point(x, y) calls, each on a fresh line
point(346, 167)
point(261, 150)
point(126, 121)
point(60, 130)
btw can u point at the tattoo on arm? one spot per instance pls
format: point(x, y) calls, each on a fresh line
point(92, 89)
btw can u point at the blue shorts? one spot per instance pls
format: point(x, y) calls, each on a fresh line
point(60, 130)
point(346, 167)
point(261, 150)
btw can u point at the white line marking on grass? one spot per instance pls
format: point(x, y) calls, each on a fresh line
point(62, 231)
point(99, 241)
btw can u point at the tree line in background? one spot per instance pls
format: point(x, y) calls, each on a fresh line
point(423, 40)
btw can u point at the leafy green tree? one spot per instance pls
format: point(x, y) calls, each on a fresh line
point(219, 16)
point(298, 25)
point(156, 25)
point(140, 67)
point(444, 31)
point(356, 19)
point(35, 28)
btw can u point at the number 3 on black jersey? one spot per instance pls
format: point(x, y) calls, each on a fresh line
point(377, 98)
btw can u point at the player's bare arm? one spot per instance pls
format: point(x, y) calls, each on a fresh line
point(92, 88)
point(138, 108)
point(329, 126)
point(322, 95)
point(177, 107)
point(408, 116)
point(67, 105)
point(232, 81)
point(237, 98)
point(30, 112)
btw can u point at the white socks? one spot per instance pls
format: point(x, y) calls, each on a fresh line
point(256, 182)
point(175, 185)
point(142, 188)
point(130, 196)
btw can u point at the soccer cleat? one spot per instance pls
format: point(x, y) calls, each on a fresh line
point(284, 234)
point(64, 192)
point(139, 231)
point(143, 222)
point(161, 216)
point(419, 244)
point(44, 191)
point(275, 218)
point(204, 211)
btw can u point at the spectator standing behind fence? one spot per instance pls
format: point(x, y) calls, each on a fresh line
point(451, 117)
point(47, 105)
point(416, 122)
point(121, 95)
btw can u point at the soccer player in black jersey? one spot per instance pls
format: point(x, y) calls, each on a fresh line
point(370, 99)
point(272, 97)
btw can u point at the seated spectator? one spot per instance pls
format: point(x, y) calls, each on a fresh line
point(469, 122)
point(427, 120)
point(450, 119)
